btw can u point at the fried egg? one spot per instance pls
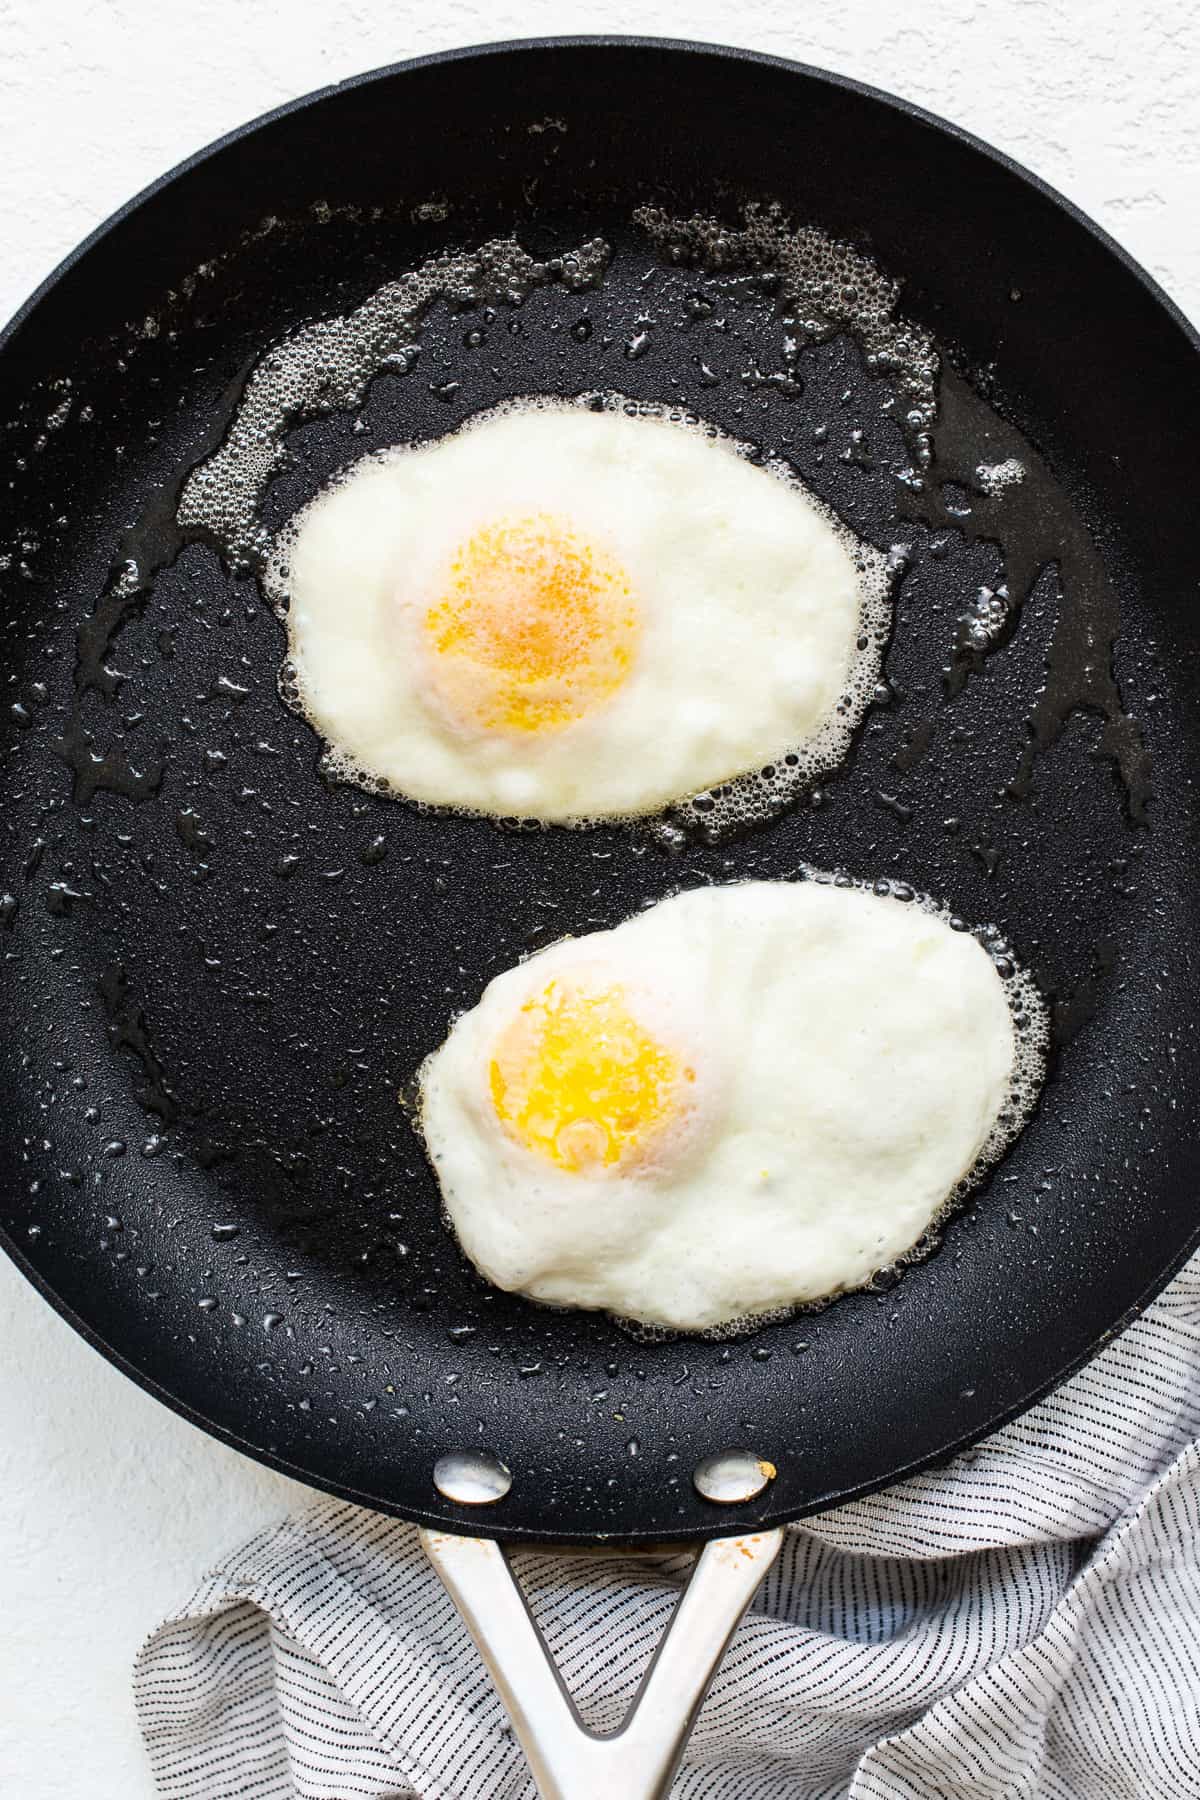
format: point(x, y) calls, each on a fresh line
point(566, 614)
point(743, 1099)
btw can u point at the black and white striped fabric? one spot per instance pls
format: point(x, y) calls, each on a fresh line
point(1024, 1622)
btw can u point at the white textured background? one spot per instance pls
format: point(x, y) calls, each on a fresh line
point(110, 1506)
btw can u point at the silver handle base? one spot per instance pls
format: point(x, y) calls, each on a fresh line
point(568, 1761)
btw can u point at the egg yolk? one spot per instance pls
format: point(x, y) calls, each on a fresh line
point(533, 628)
point(578, 1079)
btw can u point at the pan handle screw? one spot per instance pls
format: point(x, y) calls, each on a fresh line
point(732, 1475)
point(471, 1477)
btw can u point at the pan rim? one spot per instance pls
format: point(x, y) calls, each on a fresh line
point(593, 41)
point(469, 1524)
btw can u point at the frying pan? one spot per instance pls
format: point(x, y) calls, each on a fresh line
point(220, 966)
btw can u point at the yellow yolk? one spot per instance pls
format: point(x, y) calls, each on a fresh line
point(578, 1079)
point(533, 628)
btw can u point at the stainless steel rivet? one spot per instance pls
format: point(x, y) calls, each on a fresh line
point(472, 1477)
point(732, 1475)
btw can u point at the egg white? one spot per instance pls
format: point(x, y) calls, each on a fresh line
point(854, 1053)
point(752, 603)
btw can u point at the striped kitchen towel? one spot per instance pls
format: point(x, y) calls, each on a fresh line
point(1022, 1622)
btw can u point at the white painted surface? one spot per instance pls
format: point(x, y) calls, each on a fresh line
point(110, 1506)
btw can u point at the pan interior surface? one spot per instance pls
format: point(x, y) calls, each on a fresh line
point(220, 968)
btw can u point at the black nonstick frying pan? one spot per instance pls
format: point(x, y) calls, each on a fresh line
point(220, 967)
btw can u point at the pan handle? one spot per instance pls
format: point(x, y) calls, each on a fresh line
point(568, 1761)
